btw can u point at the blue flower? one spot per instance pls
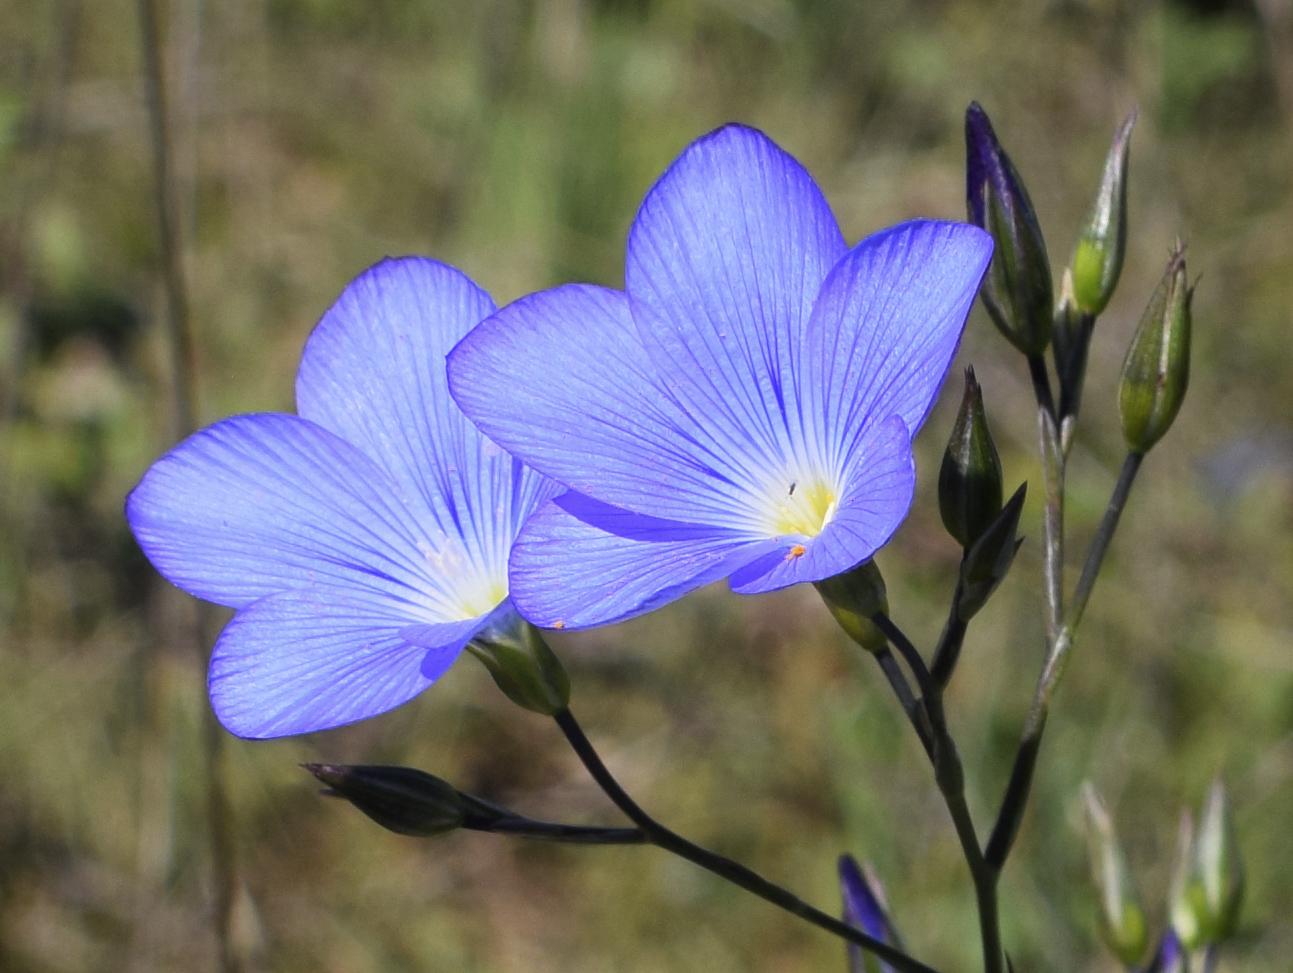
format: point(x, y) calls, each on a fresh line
point(743, 408)
point(364, 541)
point(863, 910)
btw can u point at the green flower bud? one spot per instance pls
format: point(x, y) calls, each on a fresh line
point(400, 799)
point(986, 564)
point(1017, 288)
point(1220, 868)
point(1097, 262)
point(1157, 368)
point(969, 482)
point(522, 665)
point(1122, 922)
point(1185, 898)
point(853, 597)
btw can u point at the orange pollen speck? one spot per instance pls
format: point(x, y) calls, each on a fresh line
point(558, 624)
point(796, 551)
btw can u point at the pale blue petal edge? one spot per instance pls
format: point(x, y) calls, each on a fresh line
point(319, 657)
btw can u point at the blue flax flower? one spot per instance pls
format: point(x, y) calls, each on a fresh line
point(363, 541)
point(743, 408)
point(864, 910)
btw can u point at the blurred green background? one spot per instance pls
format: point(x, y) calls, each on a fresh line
point(515, 139)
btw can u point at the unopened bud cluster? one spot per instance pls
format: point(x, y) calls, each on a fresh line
point(1206, 892)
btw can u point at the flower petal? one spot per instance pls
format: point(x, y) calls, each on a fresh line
point(560, 379)
point(256, 504)
point(319, 657)
point(885, 328)
point(373, 372)
point(579, 562)
point(879, 484)
point(725, 260)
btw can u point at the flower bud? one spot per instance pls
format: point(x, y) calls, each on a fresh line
point(522, 665)
point(1157, 369)
point(1185, 896)
point(1097, 261)
point(1122, 922)
point(1017, 288)
point(400, 799)
point(1170, 956)
point(1072, 340)
point(986, 564)
point(865, 909)
point(1220, 869)
point(969, 482)
point(853, 597)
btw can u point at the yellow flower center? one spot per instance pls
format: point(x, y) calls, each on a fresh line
point(805, 508)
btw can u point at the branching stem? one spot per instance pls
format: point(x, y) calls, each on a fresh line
point(724, 868)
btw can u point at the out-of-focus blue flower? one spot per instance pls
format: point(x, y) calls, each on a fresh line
point(363, 541)
point(1171, 956)
point(744, 408)
point(863, 910)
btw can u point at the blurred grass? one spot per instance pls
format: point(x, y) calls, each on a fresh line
point(515, 140)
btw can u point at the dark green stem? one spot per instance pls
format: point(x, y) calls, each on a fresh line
point(1021, 775)
point(482, 815)
point(948, 651)
point(950, 776)
point(724, 868)
point(1042, 384)
point(910, 705)
point(570, 834)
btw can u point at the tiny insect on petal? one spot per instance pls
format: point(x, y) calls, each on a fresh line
point(797, 551)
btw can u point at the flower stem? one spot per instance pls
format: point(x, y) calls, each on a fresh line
point(724, 868)
point(1053, 465)
point(1021, 775)
point(911, 706)
point(950, 777)
point(948, 651)
point(570, 834)
point(220, 834)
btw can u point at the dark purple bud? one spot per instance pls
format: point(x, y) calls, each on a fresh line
point(1017, 289)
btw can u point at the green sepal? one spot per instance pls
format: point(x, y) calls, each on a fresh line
point(969, 481)
point(986, 564)
point(1220, 867)
point(523, 666)
point(1122, 922)
point(1156, 372)
point(1097, 261)
point(852, 598)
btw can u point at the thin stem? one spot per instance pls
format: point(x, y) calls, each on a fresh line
point(1021, 775)
point(482, 815)
point(1041, 384)
point(570, 834)
point(948, 651)
point(910, 705)
point(1053, 464)
point(1100, 543)
point(184, 383)
point(950, 776)
point(725, 868)
point(183, 358)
